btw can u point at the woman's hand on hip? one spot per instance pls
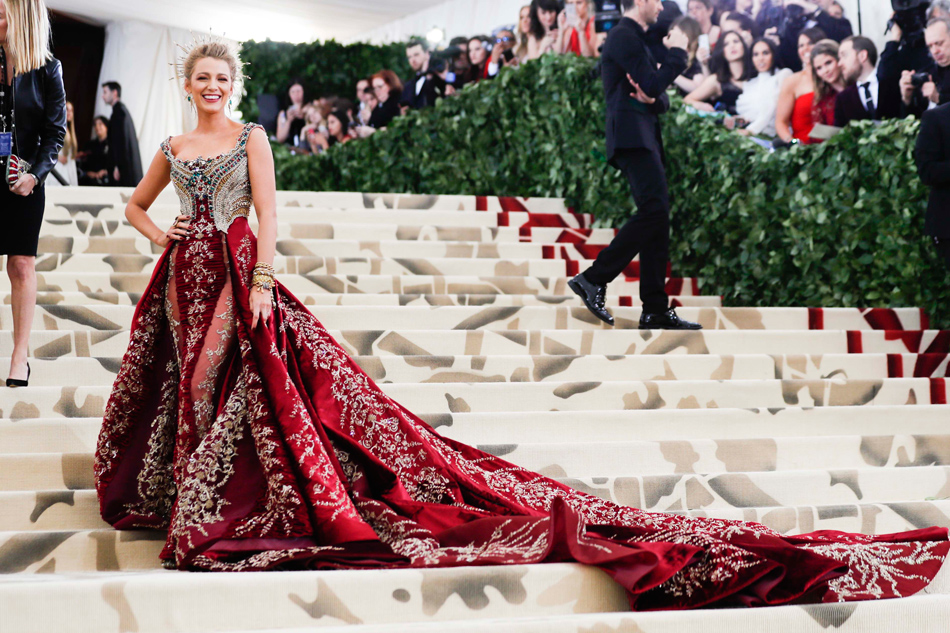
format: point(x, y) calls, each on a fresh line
point(24, 185)
point(178, 231)
point(262, 306)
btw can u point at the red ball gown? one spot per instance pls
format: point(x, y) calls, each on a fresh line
point(269, 448)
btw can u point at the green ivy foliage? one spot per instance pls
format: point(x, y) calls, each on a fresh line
point(838, 224)
point(326, 68)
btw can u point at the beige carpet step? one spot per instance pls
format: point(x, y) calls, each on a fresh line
point(57, 510)
point(85, 402)
point(338, 247)
point(295, 215)
point(170, 602)
point(924, 614)
point(398, 280)
point(82, 265)
point(106, 343)
point(78, 435)
point(119, 196)
point(660, 493)
point(73, 236)
point(508, 319)
point(90, 299)
point(76, 372)
point(621, 458)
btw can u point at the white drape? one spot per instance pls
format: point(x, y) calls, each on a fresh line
point(455, 17)
point(142, 58)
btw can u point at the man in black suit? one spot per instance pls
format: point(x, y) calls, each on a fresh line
point(635, 147)
point(860, 101)
point(932, 154)
point(123, 142)
point(424, 87)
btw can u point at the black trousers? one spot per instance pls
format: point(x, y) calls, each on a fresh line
point(647, 233)
point(943, 247)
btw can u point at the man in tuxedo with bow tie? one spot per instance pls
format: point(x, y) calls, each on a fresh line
point(424, 87)
point(635, 89)
point(860, 101)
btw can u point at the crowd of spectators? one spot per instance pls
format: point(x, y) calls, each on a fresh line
point(772, 69)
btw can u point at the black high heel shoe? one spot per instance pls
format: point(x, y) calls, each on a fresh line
point(12, 382)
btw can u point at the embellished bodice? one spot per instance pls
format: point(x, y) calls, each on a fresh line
point(216, 189)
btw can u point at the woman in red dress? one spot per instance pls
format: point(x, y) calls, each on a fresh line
point(241, 427)
point(828, 80)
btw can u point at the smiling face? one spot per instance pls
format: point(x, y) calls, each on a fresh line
point(827, 68)
point(733, 47)
point(762, 58)
point(804, 49)
point(210, 85)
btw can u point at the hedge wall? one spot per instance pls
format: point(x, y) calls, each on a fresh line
point(834, 225)
point(326, 68)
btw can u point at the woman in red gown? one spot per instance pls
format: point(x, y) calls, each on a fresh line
point(242, 428)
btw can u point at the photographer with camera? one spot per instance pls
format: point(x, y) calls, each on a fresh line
point(635, 146)
point(503, 52)
point(929, 87)
point(786, 23)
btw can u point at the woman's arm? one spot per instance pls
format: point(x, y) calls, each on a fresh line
point(156, 179)
point(708, 89)
point(260, 164)
point(587, 49)
point(688, 85)
point(283, 127)
point(783, 111)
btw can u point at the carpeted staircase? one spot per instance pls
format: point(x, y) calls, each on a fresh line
point(802, 419)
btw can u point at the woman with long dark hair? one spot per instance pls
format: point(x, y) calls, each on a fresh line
point(793, 115)
point(33, 122)
point(731, 67)
point(545, 36)
point(756, 105)
point(291, 121)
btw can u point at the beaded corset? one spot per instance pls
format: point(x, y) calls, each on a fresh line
point(219, 186)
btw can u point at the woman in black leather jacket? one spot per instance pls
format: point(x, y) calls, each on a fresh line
point(33, 109)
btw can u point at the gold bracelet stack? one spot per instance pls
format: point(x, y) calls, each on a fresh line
point(263, 277)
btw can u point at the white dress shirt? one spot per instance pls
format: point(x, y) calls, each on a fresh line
point(873, 86)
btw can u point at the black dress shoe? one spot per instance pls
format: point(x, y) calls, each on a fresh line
point(666, 321)
point(12, 382)
point(594, 297)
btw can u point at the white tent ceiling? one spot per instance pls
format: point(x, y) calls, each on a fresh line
point(281, 20)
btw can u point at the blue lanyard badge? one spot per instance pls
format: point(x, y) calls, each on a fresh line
point(6, 143)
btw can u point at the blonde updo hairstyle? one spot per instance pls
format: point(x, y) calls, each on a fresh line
point(214, 49)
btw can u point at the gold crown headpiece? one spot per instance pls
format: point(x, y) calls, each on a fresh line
point(219, 47)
